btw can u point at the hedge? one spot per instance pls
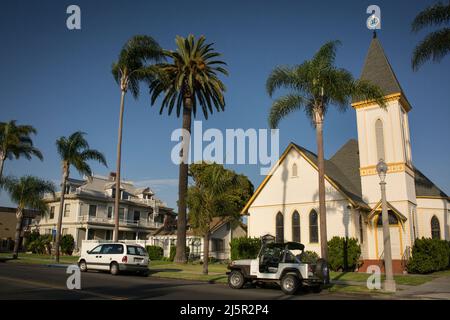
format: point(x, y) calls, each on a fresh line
point(309, 257)
point(429, 255)
point(67, 244)
point(155, 252)
point(245, 248)
point(343, 253)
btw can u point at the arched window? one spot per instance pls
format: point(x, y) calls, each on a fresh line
point(279, 227)
point(361, 233)
point(435, 228)
point(313, 227)
point(379, 139)
point(294, 170)
point(295, 227)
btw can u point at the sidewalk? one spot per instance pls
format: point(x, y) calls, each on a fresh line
point(438, 288)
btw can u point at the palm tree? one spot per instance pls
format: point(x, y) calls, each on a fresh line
point(316, 85)
point(74, 151)
point(216, 193)
point(128, 71)
point(28, 192)
point(189, 80)
point(436, 45)
point(15, 142)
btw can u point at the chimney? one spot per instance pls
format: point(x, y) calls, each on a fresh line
point(112, 176)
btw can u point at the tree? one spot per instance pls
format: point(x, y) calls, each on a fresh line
point(188, 81)
point(15, 142)
point(73, 151)
point(131, 68)
point(28, 193)
point(216, 193)
point(436, 45)
point(316, 85)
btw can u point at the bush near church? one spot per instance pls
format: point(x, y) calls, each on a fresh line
point(343, 253)
point(41, 244)
point(67, 244)
point(429, 255)
point(309, 257)
point(244, 248)
point(155, 252)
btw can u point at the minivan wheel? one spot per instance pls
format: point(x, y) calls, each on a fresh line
point(289, 284)
point(236, 279)
point(82, 265)
point(114, 269)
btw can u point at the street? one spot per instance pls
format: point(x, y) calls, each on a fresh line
point(19, 281)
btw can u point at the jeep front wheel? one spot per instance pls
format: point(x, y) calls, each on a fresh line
point(290, 284)
point(236, 279)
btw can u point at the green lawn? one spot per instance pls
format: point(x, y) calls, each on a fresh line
point(32, 258)
point(409, 279)
point(166, 269)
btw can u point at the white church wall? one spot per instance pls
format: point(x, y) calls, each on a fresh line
point(426, 208)
point(399, 186)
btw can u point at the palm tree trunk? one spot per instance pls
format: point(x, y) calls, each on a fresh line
point(206, 252)
point(19, 216)
point(321, 169)
point(2, 161)
point(65, 175)
point(119, 158)
point(180, 256)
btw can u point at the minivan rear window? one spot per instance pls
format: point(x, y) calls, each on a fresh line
point(136, 251)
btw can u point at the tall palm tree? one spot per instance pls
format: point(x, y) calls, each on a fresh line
point(73, 151)
point(15, 142)
point(128, 71)
point(188, 81)
point(316, 85)
point(28, 193)
point(436, 45)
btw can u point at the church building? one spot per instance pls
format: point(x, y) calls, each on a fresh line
point(286, 204)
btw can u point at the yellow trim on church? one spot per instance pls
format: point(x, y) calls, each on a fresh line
point(392, 168)
point(391, 97)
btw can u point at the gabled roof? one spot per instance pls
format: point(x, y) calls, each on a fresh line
point(425, 187)
point(342, 171)
point(378, 208)
point(333, 174)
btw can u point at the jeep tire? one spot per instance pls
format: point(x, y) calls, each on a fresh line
point(236, 279)
point(289, 284)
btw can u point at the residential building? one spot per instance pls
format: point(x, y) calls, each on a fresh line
point(89, 210)
point(8, 222)
point(286, 203)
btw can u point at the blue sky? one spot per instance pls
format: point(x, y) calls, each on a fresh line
point(60, 81)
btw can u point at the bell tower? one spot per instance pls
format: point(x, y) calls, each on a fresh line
point(384, 133)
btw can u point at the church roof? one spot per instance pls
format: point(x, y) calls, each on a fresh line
point(342, 170)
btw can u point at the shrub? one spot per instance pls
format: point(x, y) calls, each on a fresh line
point(429, 255)
point(155, 252)
point(244, 248)
point(173, 251)
point(32, 238)
point(67, 244)
point(309, 257)
point(41, 244)
point(343, 253)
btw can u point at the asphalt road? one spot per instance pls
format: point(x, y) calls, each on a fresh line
point(42, 282)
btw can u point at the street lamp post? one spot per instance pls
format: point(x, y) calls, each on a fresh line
point(389, 283)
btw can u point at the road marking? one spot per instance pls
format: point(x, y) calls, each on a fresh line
point(50, 286)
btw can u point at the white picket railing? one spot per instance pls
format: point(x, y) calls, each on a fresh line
point(122, 222)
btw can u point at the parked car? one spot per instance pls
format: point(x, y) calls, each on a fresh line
point(115, 257)
point(277, 263)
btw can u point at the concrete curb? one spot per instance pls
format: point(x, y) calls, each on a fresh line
point(57, 265)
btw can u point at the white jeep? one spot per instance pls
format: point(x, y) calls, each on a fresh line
point(277, 263)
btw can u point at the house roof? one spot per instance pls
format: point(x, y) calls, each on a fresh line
point(342, 171)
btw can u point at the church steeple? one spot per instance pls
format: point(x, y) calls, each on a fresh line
point(378, 70)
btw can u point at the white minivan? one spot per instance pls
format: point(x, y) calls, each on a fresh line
point(115, 257)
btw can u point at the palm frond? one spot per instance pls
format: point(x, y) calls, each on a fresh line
point(435, 46)
point(284, 106)
point(436, 14)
